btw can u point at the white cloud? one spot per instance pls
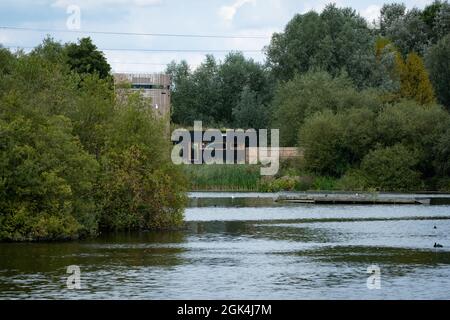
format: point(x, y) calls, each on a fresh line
point(371, 13)
point(100, 3)
point(228, 12)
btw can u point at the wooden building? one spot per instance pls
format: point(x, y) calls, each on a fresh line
point(156, 87)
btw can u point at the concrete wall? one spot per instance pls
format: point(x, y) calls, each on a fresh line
point(285, 154)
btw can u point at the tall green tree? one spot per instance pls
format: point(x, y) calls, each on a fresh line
point(140, 187)
point(334, 40)
point(415, 82)
point(213, 92)
point(85, 58)
point(251, 112)
point(438, 65)
point(410, 33)
point(74, 159)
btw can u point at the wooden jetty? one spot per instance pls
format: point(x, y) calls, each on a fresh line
point(353, 199)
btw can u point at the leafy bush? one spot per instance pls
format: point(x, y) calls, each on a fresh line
point(307, 94)
point(335, 142)
point(392, 169)
point(140, 187)
point(74, 160)
point(47, 181)
point(324, 183)
point(281, 184)
point(353, 180)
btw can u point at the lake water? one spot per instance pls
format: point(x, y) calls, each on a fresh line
point(283, 252)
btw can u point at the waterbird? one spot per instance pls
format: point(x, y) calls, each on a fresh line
point(435, 227)
point(437, 245)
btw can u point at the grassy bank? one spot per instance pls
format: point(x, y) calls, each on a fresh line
point(241, 178)
point(223, 177)
point(247, 178)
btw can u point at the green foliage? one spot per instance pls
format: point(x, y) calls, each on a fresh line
point(442, 22)
point(47, 181)
point(250, 111)
point(335, 40)
point(315, 91)
point(140, 187)
point(337, 144)
point(415, 30)
point(73, 160)
point(442, 151)
point(281, 184)
point(223, 177)
point(415, 83)
point(334, 142)
point(392, 169)
point(389, 14)
point(215, 91)
point(7, 61)
point(85, 58)
point(409, 33)
point(416, 127)
point(438, 64)
point(324, 183)
point(353, 180)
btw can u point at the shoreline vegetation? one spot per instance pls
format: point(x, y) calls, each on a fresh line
point(369, 105)
point(247, 178)
point(76, 160)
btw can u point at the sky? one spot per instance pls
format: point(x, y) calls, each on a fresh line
point(243, 18)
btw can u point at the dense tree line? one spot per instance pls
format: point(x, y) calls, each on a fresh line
point(368, 101)
point(74, 160)
point(236, 92)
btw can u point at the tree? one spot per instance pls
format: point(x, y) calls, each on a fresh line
point(71, 155)
point(414, 79)
point(251, 112)
point(442, 23)
point(389, 14)
point(237, 73)
point(430, 16)
point(442, 151)
point(47, 181)
point(335, 142)
point(415, 30)
point(336, 39)
point(7, 61)
point(307, 94)
point(51, 51)
point(85, 58)
point(183, 95)
point(140, 187)
point(214, 89)
point(321, 138)
point(438, 65)
point(409, 33)
point(392, 169)
point(415, 126)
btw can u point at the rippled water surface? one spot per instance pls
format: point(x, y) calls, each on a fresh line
point(287, 252)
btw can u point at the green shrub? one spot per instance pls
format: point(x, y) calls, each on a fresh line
point(392, 169)
point(74, 160)
point(281, 184)
point(140, 188)
point(47, 181)
point(353, 180)
point(324, 183)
